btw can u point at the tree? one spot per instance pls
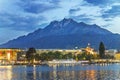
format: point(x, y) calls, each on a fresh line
point(30, 54)
point(58, 55)
point(44, 56)
point(101, 50)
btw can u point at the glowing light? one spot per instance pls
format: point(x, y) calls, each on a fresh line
point(8, 56)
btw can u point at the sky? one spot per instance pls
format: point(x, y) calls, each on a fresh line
point(20, 17)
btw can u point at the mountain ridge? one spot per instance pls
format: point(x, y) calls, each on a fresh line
point(66, 33)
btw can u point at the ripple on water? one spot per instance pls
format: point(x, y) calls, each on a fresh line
point(61, 72)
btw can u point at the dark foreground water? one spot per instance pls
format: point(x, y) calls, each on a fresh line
point(61, 72)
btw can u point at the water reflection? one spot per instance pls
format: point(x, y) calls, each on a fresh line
point(7, 70)
point(61, 72)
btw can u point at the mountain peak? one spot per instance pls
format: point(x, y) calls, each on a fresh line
point(69, 26)
point(69, 20)
point(62, 21)
point(61, 24)
point(66, 19)
point(53, 22)
point(66, 22)
point(83, 24)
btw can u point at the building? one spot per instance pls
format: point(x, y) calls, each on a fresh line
point(111, 52)
point(89, 50)
point(64, 51)
point(8, 55)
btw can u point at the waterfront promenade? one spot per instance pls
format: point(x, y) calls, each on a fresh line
point(64, 61)
point(94, 61)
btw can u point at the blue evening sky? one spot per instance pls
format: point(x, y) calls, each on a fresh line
point(20, 17)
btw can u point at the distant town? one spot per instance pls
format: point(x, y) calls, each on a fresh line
point(40, 56)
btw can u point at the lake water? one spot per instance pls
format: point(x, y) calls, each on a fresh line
point(61, 72)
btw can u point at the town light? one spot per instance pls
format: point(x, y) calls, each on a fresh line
point(8, 56)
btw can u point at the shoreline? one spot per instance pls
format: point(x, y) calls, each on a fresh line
point(74, 63)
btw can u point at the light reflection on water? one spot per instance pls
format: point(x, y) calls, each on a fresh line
point(61, 72)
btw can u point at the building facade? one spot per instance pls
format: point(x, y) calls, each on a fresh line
point(8, 55)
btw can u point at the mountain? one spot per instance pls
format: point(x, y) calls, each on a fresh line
point(66, 34)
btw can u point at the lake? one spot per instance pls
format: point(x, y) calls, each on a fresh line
point(61, 72)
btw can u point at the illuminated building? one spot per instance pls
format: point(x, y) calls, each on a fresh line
point(89, 50)
point(8, 55)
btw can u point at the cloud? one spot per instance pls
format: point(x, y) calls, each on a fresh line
point(37, 6)
point(82, 18)
point(19, 23)
point(72, 11)
point(97, 2)
point(102, 3)
point(25, 15)
point(113, 11)
point(86, 13)
point(114, 24)
point(7, 34)
point(100, 12)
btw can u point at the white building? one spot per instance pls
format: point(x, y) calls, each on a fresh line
point(111, 52)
